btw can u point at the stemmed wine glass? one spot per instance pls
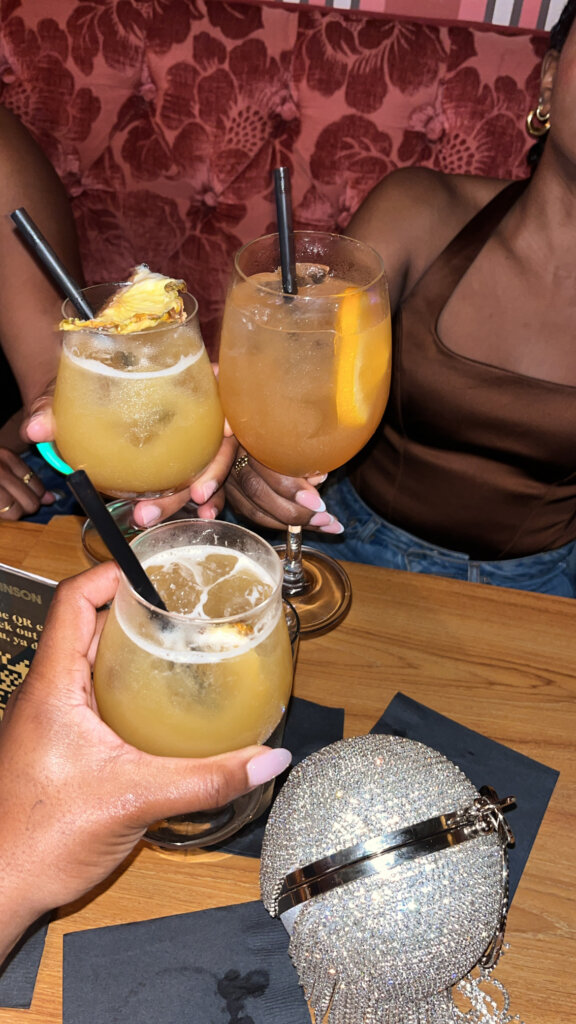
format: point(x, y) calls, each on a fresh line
point(139, 411)
point(304, 379)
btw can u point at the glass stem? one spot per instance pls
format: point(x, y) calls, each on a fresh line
point(294, 577)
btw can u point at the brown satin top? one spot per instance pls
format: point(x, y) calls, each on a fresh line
point(469, 456)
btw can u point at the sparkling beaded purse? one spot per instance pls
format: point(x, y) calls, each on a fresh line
point(389, 870)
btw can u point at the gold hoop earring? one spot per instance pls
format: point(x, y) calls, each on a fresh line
point(537, 122)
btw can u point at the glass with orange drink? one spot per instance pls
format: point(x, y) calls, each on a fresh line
point(136, 403)
point(304, 378)
point(211, 674)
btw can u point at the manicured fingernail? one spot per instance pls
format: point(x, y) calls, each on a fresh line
point(267, 766)
point(208, 513)
point(35, 427)
point(150, 514)
point(333, 527)
point(321, 519)
point(48, 498)
point(205, 493)
point(310, 500)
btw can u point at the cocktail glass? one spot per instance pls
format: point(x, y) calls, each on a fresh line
point(139, 412)
point(304, 380)
point(213, 673)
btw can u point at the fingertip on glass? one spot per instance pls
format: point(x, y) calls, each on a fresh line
point(310, 500)
point(268, 765)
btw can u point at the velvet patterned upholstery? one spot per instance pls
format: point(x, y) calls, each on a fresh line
point(164, 118)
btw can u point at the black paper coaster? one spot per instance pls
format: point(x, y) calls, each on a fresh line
point(224, 966)
point(485, 763)
point(18, 974)
point(203, 967)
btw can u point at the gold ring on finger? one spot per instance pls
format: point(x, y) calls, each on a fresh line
point(240, 463)
point(7, 508)
point(27, 478)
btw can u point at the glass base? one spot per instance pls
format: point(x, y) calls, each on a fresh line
point(206, 828)
point(326, 599)
point(121, 512)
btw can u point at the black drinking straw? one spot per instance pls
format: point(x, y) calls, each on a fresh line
point(285, 230)
point(84, 491)
point(49, 259)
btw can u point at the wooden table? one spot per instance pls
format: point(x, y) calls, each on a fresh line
point(501, 662)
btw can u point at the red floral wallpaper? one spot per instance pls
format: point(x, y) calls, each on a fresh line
point(164, 118)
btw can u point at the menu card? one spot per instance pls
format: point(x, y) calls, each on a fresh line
point(24, 602)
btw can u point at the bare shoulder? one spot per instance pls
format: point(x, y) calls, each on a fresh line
point(412, 214)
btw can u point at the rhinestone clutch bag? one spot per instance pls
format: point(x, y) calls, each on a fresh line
point(389, 870)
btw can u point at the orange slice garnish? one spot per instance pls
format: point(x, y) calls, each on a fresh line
point(360, 365)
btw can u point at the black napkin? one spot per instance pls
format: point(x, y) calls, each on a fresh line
point(18, 973)
point(309, 727)
point(485, 763)
point(229, 965)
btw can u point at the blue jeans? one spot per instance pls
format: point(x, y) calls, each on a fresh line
point(369, 538)
point(65, 504)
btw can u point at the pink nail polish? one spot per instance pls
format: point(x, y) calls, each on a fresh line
point(149, 515)
point(267, 766)
point(209, 513)
point(310, 500)
point(321, 519)
point(207, 491)
point(333, 527)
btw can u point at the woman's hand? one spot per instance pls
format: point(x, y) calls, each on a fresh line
point(21, 491)
point(262, 496)
point(255, 492)
point(206, 491)
point(75, 799)
point(276, 501)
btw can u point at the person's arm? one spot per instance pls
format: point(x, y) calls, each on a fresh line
point(29, 302)
point(75, 799)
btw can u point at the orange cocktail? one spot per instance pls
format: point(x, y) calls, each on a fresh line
point(138, 411)
point(305, 376)
point(304, 380)
point(211, 674)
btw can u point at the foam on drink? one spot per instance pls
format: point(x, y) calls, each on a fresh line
point(97, 363)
